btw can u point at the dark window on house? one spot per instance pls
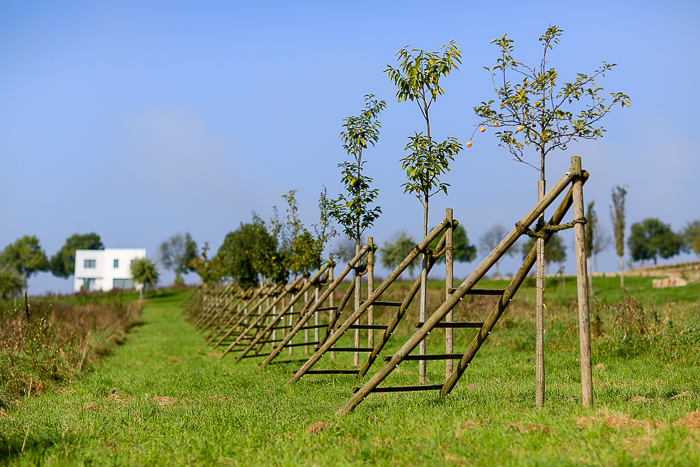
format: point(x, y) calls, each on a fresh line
point(116, 263)
point(90, 263)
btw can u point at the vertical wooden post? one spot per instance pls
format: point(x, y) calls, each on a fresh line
point(449, 250)
point(331, 299)
point(317, 293)
point(26, 305)
point(370, 290)
point(358, 299)
point(306, 331)
point(290, 323)
point(584, 321)
point(539, 309)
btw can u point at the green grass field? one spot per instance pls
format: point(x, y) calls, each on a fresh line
point(164, 399)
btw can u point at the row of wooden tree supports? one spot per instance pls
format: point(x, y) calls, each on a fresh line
point(266, 321)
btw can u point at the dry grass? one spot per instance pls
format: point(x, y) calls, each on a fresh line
point(47, 344)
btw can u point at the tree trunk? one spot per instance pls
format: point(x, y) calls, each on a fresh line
point(622, 274)
point(539, 310)
point(358, 299)
point(423, 296)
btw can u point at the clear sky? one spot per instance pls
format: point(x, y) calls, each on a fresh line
point(141, 119)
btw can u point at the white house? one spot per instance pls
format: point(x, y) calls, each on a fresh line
point(105, 269)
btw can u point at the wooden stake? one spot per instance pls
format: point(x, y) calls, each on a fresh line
point(358, 299)
point(449, 250)
point(584, 321)
point(331, 299)
point(370, 290)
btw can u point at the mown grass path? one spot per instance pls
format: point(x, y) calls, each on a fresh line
point(164, 399)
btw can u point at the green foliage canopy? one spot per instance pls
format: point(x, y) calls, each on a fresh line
point(418, 79)
point(353, 210)
point(396, 250)
point(651, 238)
point(25, 256)
point(176, 254)
point(463, 251)
point(247, 253)
point(535, 111)
point(63, 262)
point(617, 216)
point(144, 271)
point(691, 237)
point(11, 282)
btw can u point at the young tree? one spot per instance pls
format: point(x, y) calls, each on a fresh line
point(490, 240)
point(396, 250)
point(176, 254)
point(144, 271)
point(536, 112)
point(304, 249)
point(418, 79)
point(26, 257)
point(617, 216)
point(62, 264)
point(208, 270)
point(651, 238)
point(691, 237)
point(591, 226)
point(353, 210)
point(246, 252)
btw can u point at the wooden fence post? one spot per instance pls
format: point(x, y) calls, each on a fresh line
point(584, 321)
point(448, 285)
point(370, 290)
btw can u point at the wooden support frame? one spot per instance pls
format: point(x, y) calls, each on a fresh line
point(303, 319)
point(574, 175)
point(370, 301)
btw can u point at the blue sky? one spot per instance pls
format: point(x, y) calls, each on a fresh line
point(141, 119)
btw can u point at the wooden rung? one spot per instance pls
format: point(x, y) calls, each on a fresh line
point(256, 355)
point(443, 356)
point(367, 326)
point(314, 326)
point(330, 372)
point(327, 308)
point(302, 344)
point(278, 362)
point(269, 342)
point(455, 324)
point(381, 303)
point(482, 291)
point(349, 349)
point(425, 387)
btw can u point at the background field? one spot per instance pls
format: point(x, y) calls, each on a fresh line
point(164, 399)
